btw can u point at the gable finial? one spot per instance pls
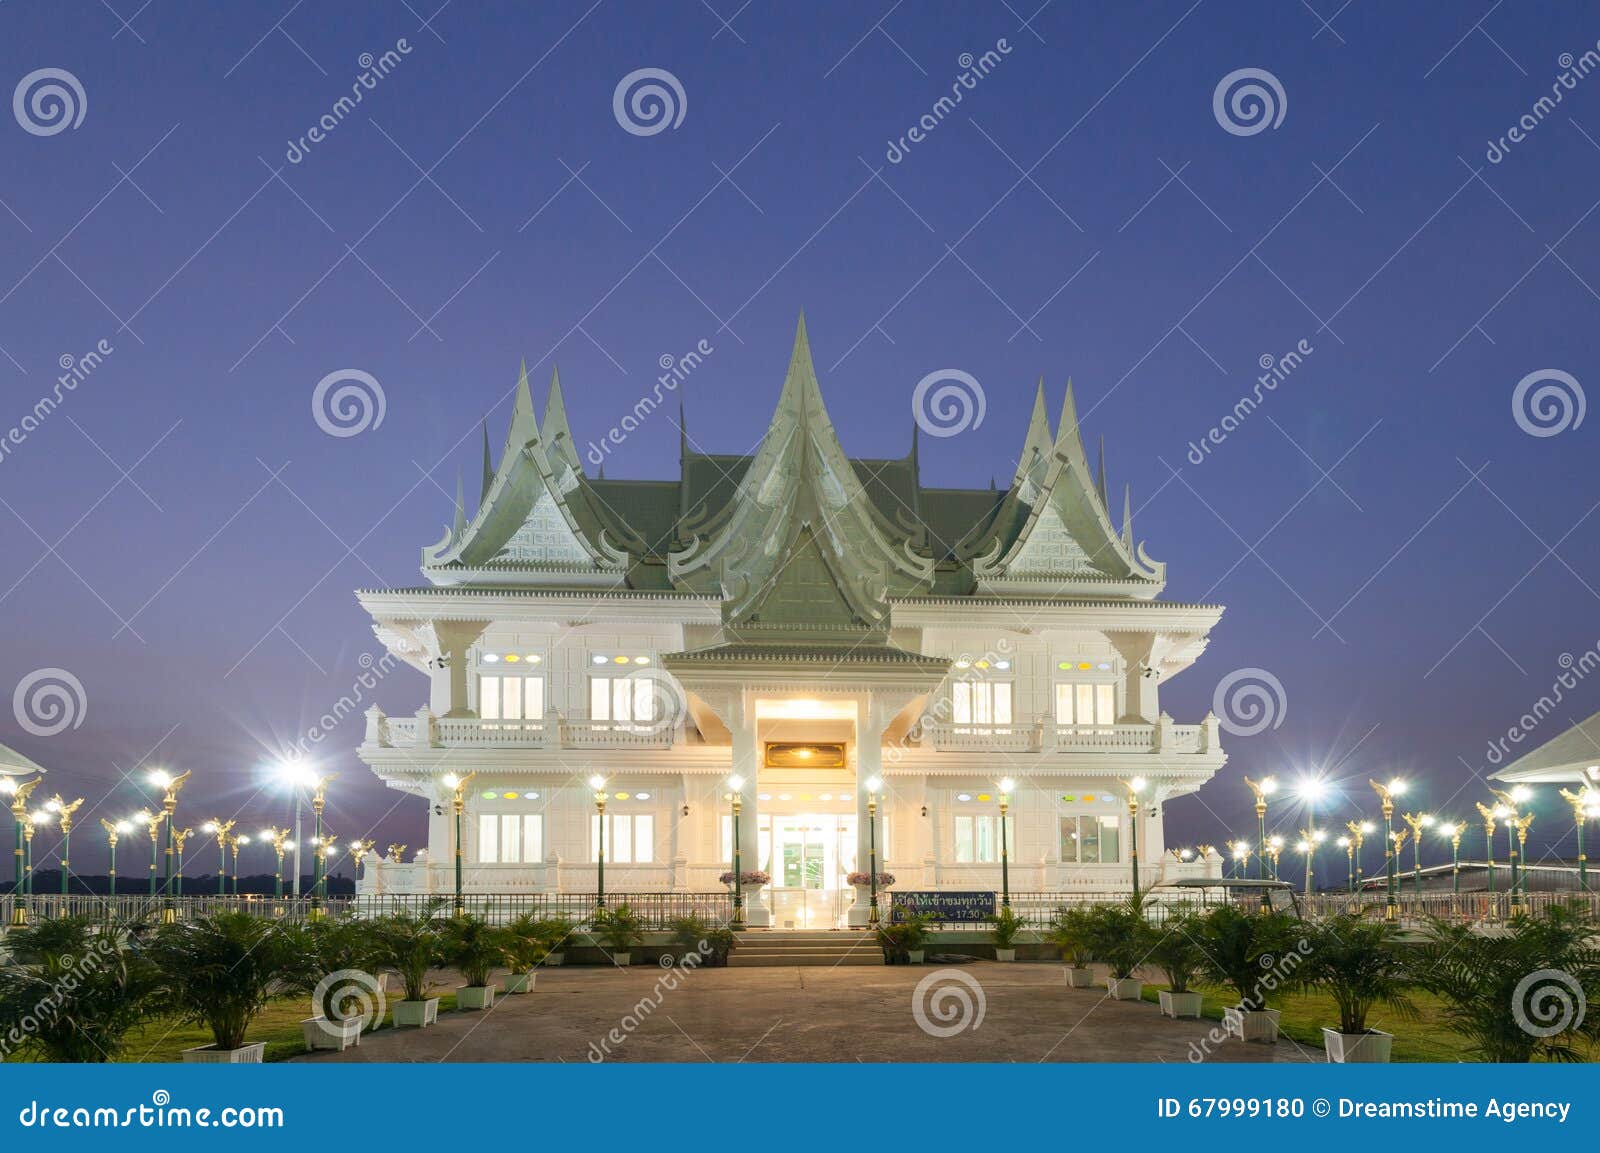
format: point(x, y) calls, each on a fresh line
point(1100, 475)
point(459, 528)
point(1127, 517)
point(488, 464)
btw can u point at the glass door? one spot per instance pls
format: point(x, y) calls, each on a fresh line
point(812, 854)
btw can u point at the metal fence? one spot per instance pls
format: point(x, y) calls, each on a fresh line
point(142, 907)
point(655, 910)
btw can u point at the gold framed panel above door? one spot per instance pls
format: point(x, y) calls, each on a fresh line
point(804, 755)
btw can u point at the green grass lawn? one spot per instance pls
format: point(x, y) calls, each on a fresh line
point(1423, 1038)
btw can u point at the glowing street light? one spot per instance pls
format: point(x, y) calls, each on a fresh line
point(169, 786)
point(1274, 849)
point(1262, 789)
point(1516, 827)
point(458, 785)
point(1585, 806)
point(1007, 787)
point(597, 785)
point(18, 792)
point(736, 805)
point(1134, 787)
point(873, 785)
point(1349, 848)
point(220, 830)
point(1386, 795)
point(1453, 830)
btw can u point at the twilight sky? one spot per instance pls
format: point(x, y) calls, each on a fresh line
point(1393, 546)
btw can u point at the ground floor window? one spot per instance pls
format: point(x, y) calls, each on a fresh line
point(510, 838)
point(1091, 840)
point(630, 838)
point(978, 837)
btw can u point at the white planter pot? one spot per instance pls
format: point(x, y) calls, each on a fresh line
point(521, 982)
point(622, 959)
point(252, 1054)
point(338, 1035)
point(474, 996)
point(1179, 1004)
point(1005, 954)
point(915, 955)
point(554, 960)
point(1125, 988)
point(416, 1014)
point(1369, 1048)
point(1080, 978)
point(1252, 1024)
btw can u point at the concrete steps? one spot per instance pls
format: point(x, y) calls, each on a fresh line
point(819, 949)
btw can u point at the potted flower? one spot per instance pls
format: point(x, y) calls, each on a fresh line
point(555, 932)
point(1006, 926)
point(222, 970)
point(1119, 937)
point(349, 996)
point(1248, 953)
point(1069, 932)
point(410, 945)
point(96, 976)
point(862, 883)
point(525, 948)
point(474, 948)
point(621, 929)
point(751, 882)
point(1360, 965)
point(1177, 953)
point(1506, 995)
point(904, 939)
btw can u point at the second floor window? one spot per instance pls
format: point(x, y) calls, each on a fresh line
point(980, 706)
point(1086, 705)
point(512, 699)
point(510, 838)
point(630, 838)
point(629, 701)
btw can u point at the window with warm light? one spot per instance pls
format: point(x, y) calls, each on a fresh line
point(513, 700)
point(630, 838)
point(629, 702)
point(510, 838)
point(981, 706)
point(1091, 839)
point(1085, 704)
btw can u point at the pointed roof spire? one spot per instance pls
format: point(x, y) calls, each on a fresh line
point(488, 465)
point(459, 527)
point(556, 429)
point(1068, 428)
point(1100, 475)
point(523, 425)
point(1127, 517)
point(683, 432)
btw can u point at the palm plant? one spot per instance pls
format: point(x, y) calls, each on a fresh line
point(73, 989)
point(222, 970)
point(555, 932)
point(1242, 953)
point(1069, 932)
point(1118, 936)
point(1176, 950)
point(1005, 927)
point(1499, 991)
point(474, 948)
point(692, 935)
point(900, 938)
point(410, 945)
point(620, 928)
point(524, 943)
point(1361, 965)
point(341, 946)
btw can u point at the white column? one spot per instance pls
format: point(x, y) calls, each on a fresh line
point(747, 764)
point(447, 673)
point(870, 724)
point(1139, 678)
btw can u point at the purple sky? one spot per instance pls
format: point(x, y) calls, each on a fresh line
point(1392, 546)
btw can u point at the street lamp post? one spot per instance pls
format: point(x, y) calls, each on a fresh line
point(1006, 787)
point(1274, 850)
point(873, 785)
point(1418, 822)
point(36, 820)
point(169, 786)
point(458, 805)
point(278, 837)
point(1488, 816)
point(235, 842)
point(1241, 851)
point(220, 830)
point(63, 811)
point(1358, 836)
point(1386, 794)
point(1262, 790)
point(597, 784)
point(319, 862)
point(18, 792)
point(1134, 787)
point(178, 839)
point(1453, 830)
point(1584, 806)
point(359, 849)
point(736, 804)
point(1349, 848)
point(114, 830)
point(1310, 790)
point(152, 824)
point(1516, 838)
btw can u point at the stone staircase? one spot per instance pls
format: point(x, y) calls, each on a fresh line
point(769, 947)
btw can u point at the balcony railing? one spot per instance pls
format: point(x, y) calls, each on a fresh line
point(550, 732)
point(1048, 737)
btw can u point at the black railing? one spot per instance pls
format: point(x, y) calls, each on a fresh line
point(655, 910)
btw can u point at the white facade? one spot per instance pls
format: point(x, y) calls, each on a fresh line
point(766, 617)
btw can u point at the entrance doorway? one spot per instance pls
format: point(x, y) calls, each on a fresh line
point(812, 854)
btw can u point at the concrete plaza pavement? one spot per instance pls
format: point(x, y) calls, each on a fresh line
point(810, 1014)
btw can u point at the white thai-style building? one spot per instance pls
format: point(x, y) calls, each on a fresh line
point(808, 622)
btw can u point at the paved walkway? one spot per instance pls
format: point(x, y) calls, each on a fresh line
point(809, 1014)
